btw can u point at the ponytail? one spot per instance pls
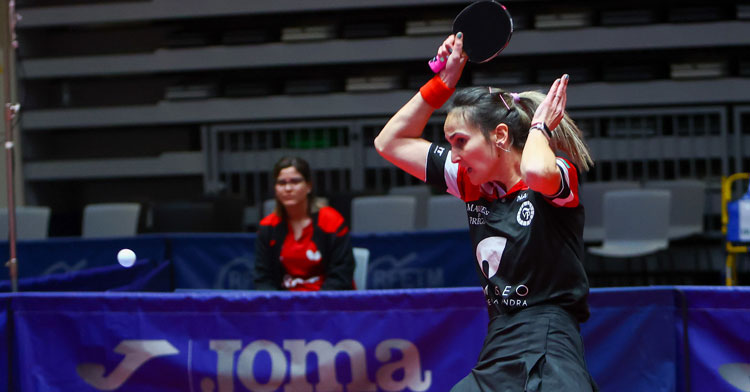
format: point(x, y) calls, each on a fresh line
point(487, 107)
point(567, 137)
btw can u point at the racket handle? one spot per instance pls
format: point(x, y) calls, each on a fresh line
point(436, 65)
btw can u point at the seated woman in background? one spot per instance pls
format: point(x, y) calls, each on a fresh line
point(301, 245)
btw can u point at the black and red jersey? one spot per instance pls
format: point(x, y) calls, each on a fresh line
point(321, 259)
point(528, 246)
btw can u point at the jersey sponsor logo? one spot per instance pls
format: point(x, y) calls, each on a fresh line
point(510, 296)
point(522, 196)
point(313, 255)
point(480, 210)
point(291, 282)
point(520, 291)
point(471, 207)
point(489, 254)
point(525, 213)
point(439, 150)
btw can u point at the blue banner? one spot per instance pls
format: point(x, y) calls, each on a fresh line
point(405, 340)
point(4, 341)
point(419, 260)
point(718, 338)
point(396, 340)
point(219, 261)
point(398, 260)
point(61, 255)
point(226, 261)
point(630, 339)
point(144, 275)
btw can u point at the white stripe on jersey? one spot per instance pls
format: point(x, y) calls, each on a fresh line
point(565, 184)
point(451, 176)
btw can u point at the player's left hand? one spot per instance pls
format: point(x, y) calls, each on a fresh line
point(552, 109)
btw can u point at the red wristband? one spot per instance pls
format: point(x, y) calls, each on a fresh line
point(435, 92)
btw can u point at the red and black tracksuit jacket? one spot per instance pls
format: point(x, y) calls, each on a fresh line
point(331, 238)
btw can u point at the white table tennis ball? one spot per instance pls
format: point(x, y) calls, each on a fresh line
point(126, 258)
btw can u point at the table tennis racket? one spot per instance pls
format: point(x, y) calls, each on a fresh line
point(486, 26)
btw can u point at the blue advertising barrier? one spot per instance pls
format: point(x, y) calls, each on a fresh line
point(59, 255)
point(631, 339)
point(5, 340)
point(718, 338)
point(419, 260)
point(394, 340)
point(213, 261)
point(144, 275)
point(226, 261)
point(400, 340)
point(397, 260)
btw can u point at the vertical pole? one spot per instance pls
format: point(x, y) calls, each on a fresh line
point(10, 112)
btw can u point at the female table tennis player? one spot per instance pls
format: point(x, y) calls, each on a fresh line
point(524, 217)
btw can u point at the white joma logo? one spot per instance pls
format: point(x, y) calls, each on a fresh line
point(136, 352)
point(399, 365)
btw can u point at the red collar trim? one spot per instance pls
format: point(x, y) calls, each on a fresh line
point(493, 190)
point(520, 186)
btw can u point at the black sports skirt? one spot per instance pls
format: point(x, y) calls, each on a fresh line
point(537, 349)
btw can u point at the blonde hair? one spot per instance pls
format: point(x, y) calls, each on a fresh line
point(487, 107)
point(567, 137)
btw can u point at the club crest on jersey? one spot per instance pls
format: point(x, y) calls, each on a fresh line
point(525, 213)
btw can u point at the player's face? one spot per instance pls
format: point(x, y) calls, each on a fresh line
point(470, 148)
point(291, 187)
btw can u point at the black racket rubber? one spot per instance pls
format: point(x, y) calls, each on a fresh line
point(487, 27)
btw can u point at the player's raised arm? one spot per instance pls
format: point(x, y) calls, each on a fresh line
point(538, 166)
point(400, 141)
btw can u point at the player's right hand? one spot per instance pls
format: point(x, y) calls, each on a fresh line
point(452, 50)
